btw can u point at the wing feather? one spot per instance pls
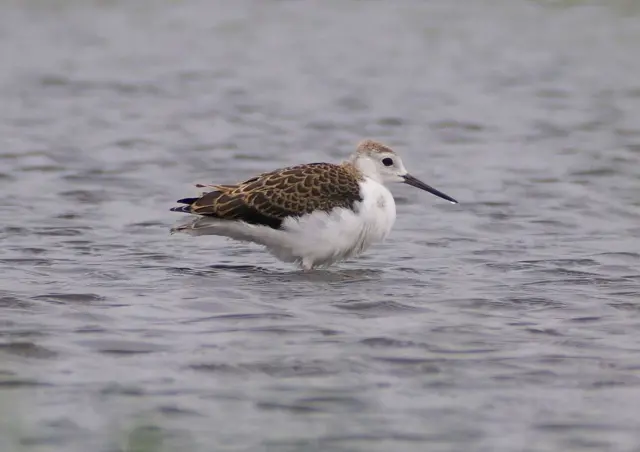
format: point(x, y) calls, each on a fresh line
point(291, 192)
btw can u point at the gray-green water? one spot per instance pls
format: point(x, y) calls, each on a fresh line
point(510, 322)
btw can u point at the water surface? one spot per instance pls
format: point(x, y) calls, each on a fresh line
point(509, 322)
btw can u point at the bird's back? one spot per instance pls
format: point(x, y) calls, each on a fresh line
point(270, 198)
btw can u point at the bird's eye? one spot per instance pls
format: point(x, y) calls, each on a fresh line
point(387, 161)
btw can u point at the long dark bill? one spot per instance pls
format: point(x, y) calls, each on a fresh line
point(409, 179)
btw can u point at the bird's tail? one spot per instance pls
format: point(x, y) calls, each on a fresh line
point(187, 207)
point(200, 225)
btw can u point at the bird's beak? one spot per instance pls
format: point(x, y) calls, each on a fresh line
point(409, 179)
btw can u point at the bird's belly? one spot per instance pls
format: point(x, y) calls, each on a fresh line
point(322, 238)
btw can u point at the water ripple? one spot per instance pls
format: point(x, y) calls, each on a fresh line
point(509, 319)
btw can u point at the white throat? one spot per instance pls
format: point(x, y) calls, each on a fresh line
point(368, 168)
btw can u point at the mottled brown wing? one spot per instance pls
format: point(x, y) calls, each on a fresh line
point(271, 197)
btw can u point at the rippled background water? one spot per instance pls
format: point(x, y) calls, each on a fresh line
point(509, 322)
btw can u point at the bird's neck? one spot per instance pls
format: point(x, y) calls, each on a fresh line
point(362, 169)
point(351, 167)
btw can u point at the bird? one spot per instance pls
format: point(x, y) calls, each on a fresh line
point(312, 215)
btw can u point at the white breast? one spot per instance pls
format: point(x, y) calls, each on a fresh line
point(323, 238)
point(377, 210)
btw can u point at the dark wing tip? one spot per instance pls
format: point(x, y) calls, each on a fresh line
point(183, 209)
point(187, 200)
